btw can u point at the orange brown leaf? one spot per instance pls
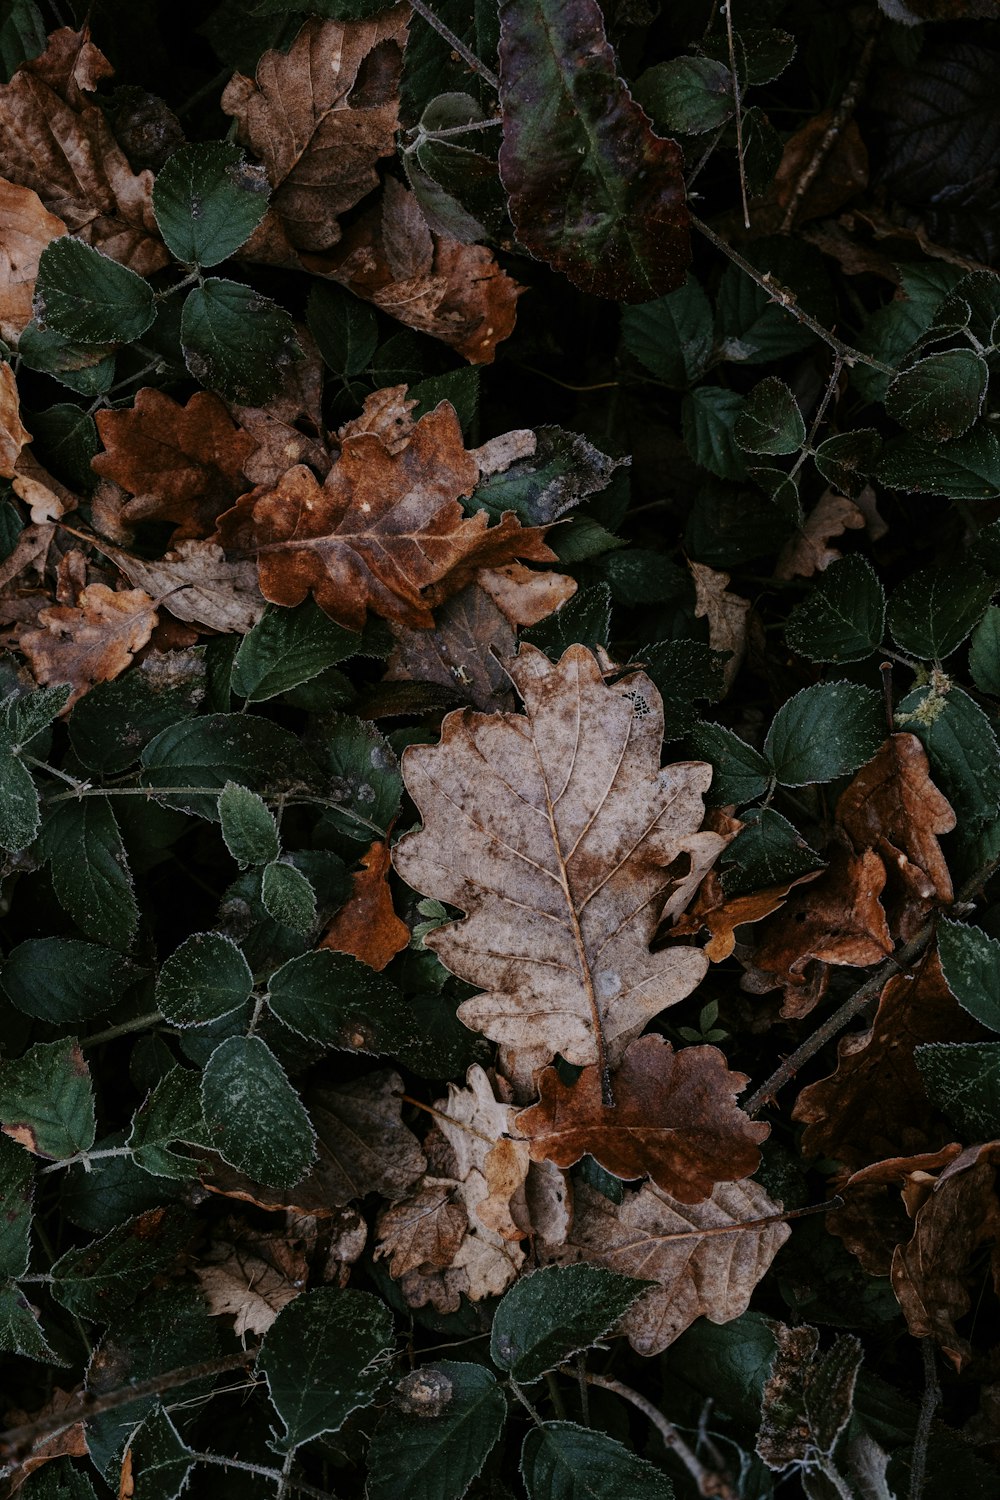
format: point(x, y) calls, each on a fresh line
point(367, 925)
point(90, 642)
point(26, 227)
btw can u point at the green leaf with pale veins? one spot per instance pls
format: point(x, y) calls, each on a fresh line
point(970, 962)
point(249, 831)
point(768, 850)
point(941, 396)
point(20, 1331)
point(345, 329)
point(434, 1437)
point(161, 1462)
point(740, 773)
point(842, 618)
point(365, 784)
point(237, 341)
point(64, 980)
point(88, 297)
point(208, 200)
point(20, 817)
point(827, 730)
point(672, 336)
point(932, 611)
point(288, 896)
point(560, 1461)
point(253, 1116)
point(963, 1080)
point(555, 1313)
point(101, 1280)
point(288, 647)
point(962, 749)
point(205, 753)
point(325, 1356)
point(203, 980)
point(335, 999)
point(984, 653)
point(46, 1100)
point(689, 95)
point(170, 1113)
point(90, 871)
point(769, 420)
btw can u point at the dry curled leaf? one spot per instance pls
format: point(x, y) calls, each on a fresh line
point(367, 925)
point(810, 552)
point(876, 1200)
point(26, 227)
point(721, 915)
point(674, 1119)
point(727, 615)
point(13, 433)
point(422, 1233)
point(90, 642)
point(465, 652)
point(180, 463)
point(554, 832)
point(384, 527)
point(288, 430)
point(68, 1442)
point(196, 582)
point(808, 1398)
point(252, 1279)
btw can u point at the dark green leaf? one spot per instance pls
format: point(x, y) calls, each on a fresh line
point(560, 1461)
point(29, 714)
point(741, 774)
point(970, 962)
point(336, 999)
point(434, 1438)
point(751, 326)
point(673, 336)
point(63, 980)
point(941, 396)
point(59, 1481)
point(767, 851)
point(762, 150)
point(586, 618)
point(763, 55)
point(90, 872)
point(893, 330)
point(848, 458)
point(253, 1116)
point(46, 1101)
point(563, 470)
point(770, 420)
point(208, 200)
point(639, 576)
point(933, 610)
point(19, 808)
point(20, 1331)
point(688, 94)
point(963, 1080)
point(248, 827)
point(592, 190)
point(161, 1463)
point(237, 341)
point(101, 1280)
point(984, 653)
point(842, 618)
point(583, 538)
point(962, 748)
point(709, 416)
point(88, 297)
point(288, 647)
point(826, 730)
point(966, 469)
point(287, 896)
point(66, 441)
point(170, 1113)
point(345, 329)
point(730, 525)
point(458, 387)
point(684, 672)
point(22, 35)
point(365, 780)
point(553, 1314)
point(208, 752)
point(325, 1355)
point(206, 978)
point(16, 1192)
point(109, 727)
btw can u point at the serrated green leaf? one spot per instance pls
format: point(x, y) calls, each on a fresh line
point(88, 369)
point(365, 780)
point(941, 396)
point(433, 1452)
point(203, 980)
point(20, 816)
point(325, 1356)
point(563, 470)
point(171, 1112)
point(16, 1194)
point(237, 341)
point(86, 296)
point(639, 576)
point(459, 387)
point(966, 469)
point(586, 619)
point(762, 54)
point(555, 1313)
point(689, 95)
point(970, 962)
point(161, 1462)
point(741, 774)
point(336, 999)
point(769, 420)
point(63, 980)
point(962, 749)
point(288, 647)
point(673, 336)
point(827, 730)
point(59, 1481)
point(109, 727)
point(99, 1281)
point(208, 200)
point(560, 1461)
point(708, 416)
point(20, 1330)
point(984, 653)
point(753, 327)
point(66, 442)
point(46, 1101)
point(248, 827)
point(90, 870)
point(963, 1080)
point(842, 618)
point(848, 458)
point(30, 713)
point(932, 611)
point(287, 896)
point(345, 329)
point(253, 1116)
point(767, 851)
point(685, 672)
point(207, 752)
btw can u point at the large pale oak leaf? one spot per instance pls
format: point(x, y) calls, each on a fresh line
point(554, 832)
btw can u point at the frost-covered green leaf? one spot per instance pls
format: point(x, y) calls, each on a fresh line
point(561, 1461)
point(237, 341)
point(941, 396)
point(203, 980)
point(826, 730)
point(253, 1116)
point(101, 1280)
point(204, 753)
point(586, 618)
point(740, 773)
point(767, 851)
point(89, 298)
point(963, 1080)
point(64, 980)
point(286, 648)
point(769, 420)
point(689, 95)
point(109, 727)
point(248, 827)
point(338, 1000)
point(170, 1113)
point(933, 610)
point(20, 1331)
point(846, 459)
point(962, 748)
point(672, 336)
point(709, 416)
point(366, 786)
point(685, 672)
point(288, 896)
point(161, 1462)
point(46, 1100)
point(208, 200)
point(966, 469)
point(842, 618)
point(90, 870)
point(435, 1435)
point(984, 653)
point(16, 1192)
point(345, 329)
point(554, 1313)
point(20, 817)
point(325, 1356)
point(970, 962)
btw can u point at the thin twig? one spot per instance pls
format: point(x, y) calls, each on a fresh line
point(275, 1475)
point(928, 1406)
point(456, 44)
point(708, 1482)
point(831, 386)
point(532, 1413)
point(737, 104)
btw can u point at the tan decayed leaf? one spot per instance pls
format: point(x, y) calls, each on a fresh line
point(45, 497)
point(57, 144)
point(288, 430)
point(13, 433)
point(727, 616)
point(423, 1232)
point(249, 1287)
point(553, 831)
point(674, 1119)
point(810, 552)
point(319, 139)
point(384, 527)
point(367, 925)
point(707, 1258)
point(523, 595)
point(363, 1146)
point(198, 583)
point(877, 1199)
point(90, 642)
point(26, 227)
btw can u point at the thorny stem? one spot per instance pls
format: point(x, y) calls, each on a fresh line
point(178, 286)
point(84, 1159)
point(456, 44)
point(784, 298)
point(737, 105)
point(838, 365)
point(708, 1482)
point(532, 1413)
point(277, 1476)
point(285, 1475)
point(928, 1406)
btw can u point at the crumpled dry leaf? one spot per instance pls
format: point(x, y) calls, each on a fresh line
point(809, 552)
point(721, 915)
point(554, 832)
point(57, 144)
point(363, 1146)
point(13, 433)
point(422, 1233)
point(523, 595)
point(727, 615)
point(456, 293)
point(842, 175)
point(367, 925)
point(707, 1258)
point(382, 529)
point(893, 806)
point(180, 463)
point(808, 1398)
point(288, 430)
point(93, 641)
point(46, 498)
point(252, 1279)
point(320, 116)
point(873, 1219)
point(196, 582)
point(26, 227)
point(464, 653)
point(68, 1442)
point(674, 1119)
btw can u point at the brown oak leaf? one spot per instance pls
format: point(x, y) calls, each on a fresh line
point(383, 528)
point(196, 582)
point(13, 433)
point(423, 1232)
point(727, 615)
point(721, 914)
point(93, 641)
point(554, 831)
point(320, 116)
point(525, 596)
point(180, 463)
point(810, 552)
point(674, 1119)
point(465, 651)
point(45, 497)
point(363, 1145)
point(26, 227)
point(872, 1221)
point(62, 147)
point(707, 1257)
point(251, 1278)
point(367, 925)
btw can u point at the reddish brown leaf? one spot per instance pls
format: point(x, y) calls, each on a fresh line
point(181, 463)
point(721, 915)
point(423, 1232)
point(877, 1199)
point(842, 175)
point(13, 433)
point(26, 227)
point(674, 1119)
point(56, 143)
point(367, 925)
point(288, 429)
point(69, 1442)
point(464, 652)
point(384, 527)
point(91, 642)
